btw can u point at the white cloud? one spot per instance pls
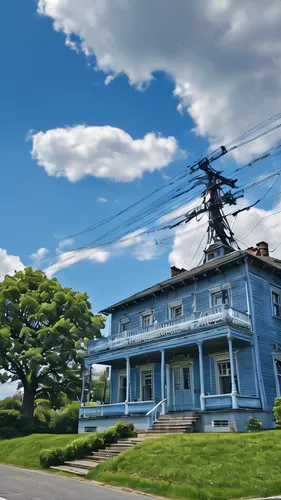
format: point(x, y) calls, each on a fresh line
point(223, 55)
point(101, 200)
point(8, 389)
point(262, 224)
point(67, 242)
point(67, 259)
point(9, 264)
point(104, 152)
point(38, 256)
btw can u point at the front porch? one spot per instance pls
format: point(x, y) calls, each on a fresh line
point(206, 374)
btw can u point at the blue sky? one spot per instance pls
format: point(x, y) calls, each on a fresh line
point(46, 86)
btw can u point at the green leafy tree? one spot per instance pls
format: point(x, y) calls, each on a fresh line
point(100, 387)
point(43, 332)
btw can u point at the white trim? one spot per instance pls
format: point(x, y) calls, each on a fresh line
point(176, 366)
point(147, 312)
point(277, 291)
point(146, 368)
point(221, 357)
point(277, 385)
point(218, 289)
point(172, 305)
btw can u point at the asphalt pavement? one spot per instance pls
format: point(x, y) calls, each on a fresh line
point(20, 484)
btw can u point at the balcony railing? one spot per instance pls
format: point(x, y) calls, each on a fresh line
point(194, 321)
point(116, 409)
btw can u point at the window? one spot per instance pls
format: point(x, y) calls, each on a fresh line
point(186, 378)
point(224, 377)
point(176, 311)
point(124, 327)
point(146, 385)
point(146, 319)
point(220, 423)
point(276, 304)
point(219, 298)
point(122, 388)
point(278, 371)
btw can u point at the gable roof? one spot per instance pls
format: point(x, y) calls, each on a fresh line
point(228, 259)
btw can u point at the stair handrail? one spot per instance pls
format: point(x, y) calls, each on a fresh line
point(155, 407)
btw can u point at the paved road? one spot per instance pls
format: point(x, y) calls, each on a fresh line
point(19, 484)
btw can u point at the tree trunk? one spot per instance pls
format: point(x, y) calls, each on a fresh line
point(27, 407)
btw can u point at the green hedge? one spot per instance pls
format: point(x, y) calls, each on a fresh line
point(65, 421)
point(277, 412)
point(9, 432)
point(8, 417)
point(83, 446)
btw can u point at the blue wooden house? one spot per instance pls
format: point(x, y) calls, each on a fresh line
point(205, 342)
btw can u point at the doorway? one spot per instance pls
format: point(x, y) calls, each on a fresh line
point(183, 387)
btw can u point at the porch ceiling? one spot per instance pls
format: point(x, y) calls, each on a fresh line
point(210, 345)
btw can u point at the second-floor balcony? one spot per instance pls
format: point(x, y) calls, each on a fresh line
point(194, 321)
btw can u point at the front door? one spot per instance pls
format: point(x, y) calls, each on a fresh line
point(183, 387)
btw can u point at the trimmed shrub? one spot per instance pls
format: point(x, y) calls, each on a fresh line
point(125, 429)
point(254, 425)
point(49, 458)
point(65, 421)
point(96, 441)
point(9, 433)
point(110, 435)
point(277, 412)
point(8, 417)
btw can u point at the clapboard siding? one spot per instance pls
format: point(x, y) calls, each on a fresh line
point(246, 376)
point(267, 328)
point(114, 385)
point(157, 382)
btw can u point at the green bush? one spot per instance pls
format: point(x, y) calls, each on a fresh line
point(65, 421)
point(277, 412)
point(125, 429)
point(110, 435)
point(254, 425)
point(8, 417)
point(83, 446)
point(9, 432)
point(49, 458)
point(10, 403)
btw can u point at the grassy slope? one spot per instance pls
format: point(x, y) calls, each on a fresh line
point(25, 451)
point(200, 466)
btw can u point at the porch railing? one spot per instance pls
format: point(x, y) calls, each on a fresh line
point(225, 401)
point(155, 412)
point(116, 409)
point(193, 321)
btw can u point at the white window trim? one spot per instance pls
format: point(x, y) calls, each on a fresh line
point(146, 368)
point(123, 321)
point(275, 289)
point(221, 357)
point(277, 386)
point(147, 312)
point(218, 289)
point(174, 304)
point(121, 373)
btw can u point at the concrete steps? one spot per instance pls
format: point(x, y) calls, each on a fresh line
point(174, 422)
point(83, 466)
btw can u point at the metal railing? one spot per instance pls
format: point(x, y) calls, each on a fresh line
point(156, 411)
point(193, 321)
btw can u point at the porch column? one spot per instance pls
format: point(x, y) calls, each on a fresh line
point(163, 366)
point(128, 372)
point(233, 384)
point(90, 384)
point(201, 370)
point(83, 388)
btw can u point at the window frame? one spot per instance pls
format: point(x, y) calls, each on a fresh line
point(173, 306)
point(223, 357)
point(221, 289)
point(121, 374)
point(145, 314)
point(143, 369)
point(276, 291)
point(277, 375)
point(124, 322)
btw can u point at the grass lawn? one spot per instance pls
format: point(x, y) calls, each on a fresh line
point(200, 466)
point(25, 451)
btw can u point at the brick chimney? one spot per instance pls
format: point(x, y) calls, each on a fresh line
point(175, 271)
point(262, 249)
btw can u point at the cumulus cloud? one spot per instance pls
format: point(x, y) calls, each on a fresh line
point(67, 259)
point(249, 228)
point(65, 243)
point(38, 256)
point(9, 264)
point(101, 200)
point(104, 152)
point(223, 55)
